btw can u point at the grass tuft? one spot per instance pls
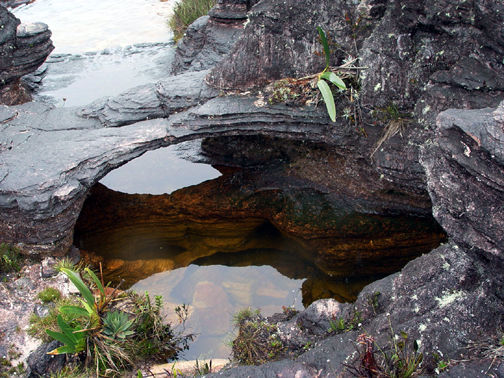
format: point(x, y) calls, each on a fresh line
point(185, 13)
point(257, 341)
point(49, 294)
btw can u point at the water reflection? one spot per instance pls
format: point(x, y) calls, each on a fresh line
point(217, 292)
point(158, 172)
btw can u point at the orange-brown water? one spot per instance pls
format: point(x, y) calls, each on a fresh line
point(219, 248)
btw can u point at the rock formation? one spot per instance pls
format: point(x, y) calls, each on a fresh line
point(449, 301)
point(23, 48)
point(420, 59)
point(211, 37)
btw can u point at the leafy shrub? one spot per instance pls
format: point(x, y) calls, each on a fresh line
point(185, 13)
point(110, 339)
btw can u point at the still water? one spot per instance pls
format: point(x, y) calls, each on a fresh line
point(79, 26)
point(102, 48)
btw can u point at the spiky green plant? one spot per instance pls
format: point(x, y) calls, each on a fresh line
point(116, 325)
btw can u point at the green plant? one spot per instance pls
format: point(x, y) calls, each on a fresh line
point(204, 369)
point(402, 361)
point(106, 337)
point(10, 258)
point(337, 327)
point(49, 294)
point(116, 325)
point(442, 365)
point(342, 325)
point(257, 341)
point(72, 371)
point(396, 122)
point(66, 263)
point(373, 301)
point(73, 338)
point(244, 315)
point(328, 76)
point(185, 13)
point(7, 369)
point(395, 361)
point(153, 337)
point(38, 325)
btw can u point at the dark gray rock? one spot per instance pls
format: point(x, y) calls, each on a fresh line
point(476, 368)
point(52, 156)
point(41, 364)
point(465, 176)
point(48, 269)
point(445, 301)
point(151, 101)
point(425, 57)
point(23, 48)
point(204, 44)
point(280, 40)
point(41, 310)
point(210, 38)
point(228, 11)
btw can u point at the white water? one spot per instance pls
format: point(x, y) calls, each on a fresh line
point(92, 25)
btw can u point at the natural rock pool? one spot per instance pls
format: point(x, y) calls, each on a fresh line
point(227, 242)
point(214, 246)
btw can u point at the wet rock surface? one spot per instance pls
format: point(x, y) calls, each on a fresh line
point(23, 48)
point(210, 38)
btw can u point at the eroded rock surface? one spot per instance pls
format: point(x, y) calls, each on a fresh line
point(210, 38)
point(465, 170)
point(184, 107)
point(448, 301)
point(23, 48)
point(426, 56)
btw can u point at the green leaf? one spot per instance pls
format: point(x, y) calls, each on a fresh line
point(90, 310)
point(62, 338)
point(74, 311)
point(328, 98)
point(65, 349)
point(80, 285)
point(67, 330)
point(335, 79)
point(325, 44)
point(95, 280)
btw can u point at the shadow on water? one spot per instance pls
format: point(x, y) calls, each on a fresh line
point(225, 244)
